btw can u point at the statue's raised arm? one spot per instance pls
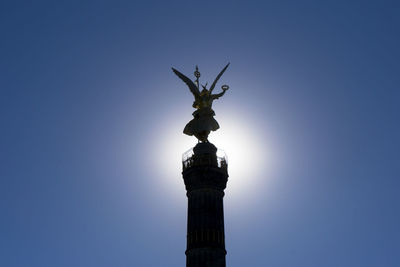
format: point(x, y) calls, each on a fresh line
point(224, 88)
point(203, 122)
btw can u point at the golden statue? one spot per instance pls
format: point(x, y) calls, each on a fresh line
point(203, 122)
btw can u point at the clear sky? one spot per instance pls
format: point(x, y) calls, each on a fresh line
point(91, 120)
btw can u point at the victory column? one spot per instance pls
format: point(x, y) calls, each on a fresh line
point(205, 176)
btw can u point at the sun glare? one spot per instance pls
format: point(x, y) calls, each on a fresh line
point(247, 155)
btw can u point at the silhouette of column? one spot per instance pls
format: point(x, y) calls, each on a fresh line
point(205, 178)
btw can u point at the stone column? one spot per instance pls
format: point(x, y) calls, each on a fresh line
point(205, 178)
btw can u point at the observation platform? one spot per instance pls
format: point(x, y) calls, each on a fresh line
point(205, 154)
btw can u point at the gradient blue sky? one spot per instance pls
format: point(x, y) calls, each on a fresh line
point(88, 105)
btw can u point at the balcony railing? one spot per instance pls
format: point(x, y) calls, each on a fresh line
point(189, 159)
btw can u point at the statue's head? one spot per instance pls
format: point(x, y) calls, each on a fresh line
point(204, 91)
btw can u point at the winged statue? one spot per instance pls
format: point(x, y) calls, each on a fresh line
point(203, 122)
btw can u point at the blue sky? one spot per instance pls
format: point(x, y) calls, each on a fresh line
point(92, 116)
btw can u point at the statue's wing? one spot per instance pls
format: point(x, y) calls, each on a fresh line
point(219, 76)
point(193, 88)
